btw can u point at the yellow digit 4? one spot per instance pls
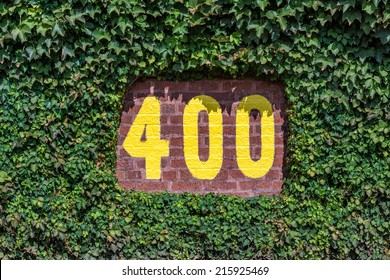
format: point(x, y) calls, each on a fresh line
point(153, 148)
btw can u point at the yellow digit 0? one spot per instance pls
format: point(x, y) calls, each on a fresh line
point(153, 148)
point(249, 167)
point(208, 169)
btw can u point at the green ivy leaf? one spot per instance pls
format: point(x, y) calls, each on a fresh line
point(4, 177)
point(57, 30)
point(369, 7)
point(18, 33)
point(67, 51)
point(30, 53)
point(383, 35)
point(351, 16)
point(262, 4)
point(101, 34)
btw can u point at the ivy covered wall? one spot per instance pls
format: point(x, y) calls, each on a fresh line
point(65, 67)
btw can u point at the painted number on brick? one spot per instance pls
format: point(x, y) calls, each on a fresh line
point(251, 168)
point(210, 168)
point(147, 125)
point(144, 141)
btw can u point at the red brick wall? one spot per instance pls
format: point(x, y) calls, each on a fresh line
point(175, 176)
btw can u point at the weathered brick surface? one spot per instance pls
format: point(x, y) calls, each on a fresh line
point(175, 176)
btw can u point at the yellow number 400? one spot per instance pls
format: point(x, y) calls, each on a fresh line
point(153, 148)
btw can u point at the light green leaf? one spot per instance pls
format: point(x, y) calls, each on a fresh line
point(57, 30)
point(67, 51)
point(18, 33)
point(30, 53)
point(262, 4)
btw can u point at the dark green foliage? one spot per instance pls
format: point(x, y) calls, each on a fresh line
point(64, 66)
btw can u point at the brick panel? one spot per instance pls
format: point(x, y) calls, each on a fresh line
point(175, 174)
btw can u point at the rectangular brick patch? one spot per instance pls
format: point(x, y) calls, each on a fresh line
point(221, 136)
